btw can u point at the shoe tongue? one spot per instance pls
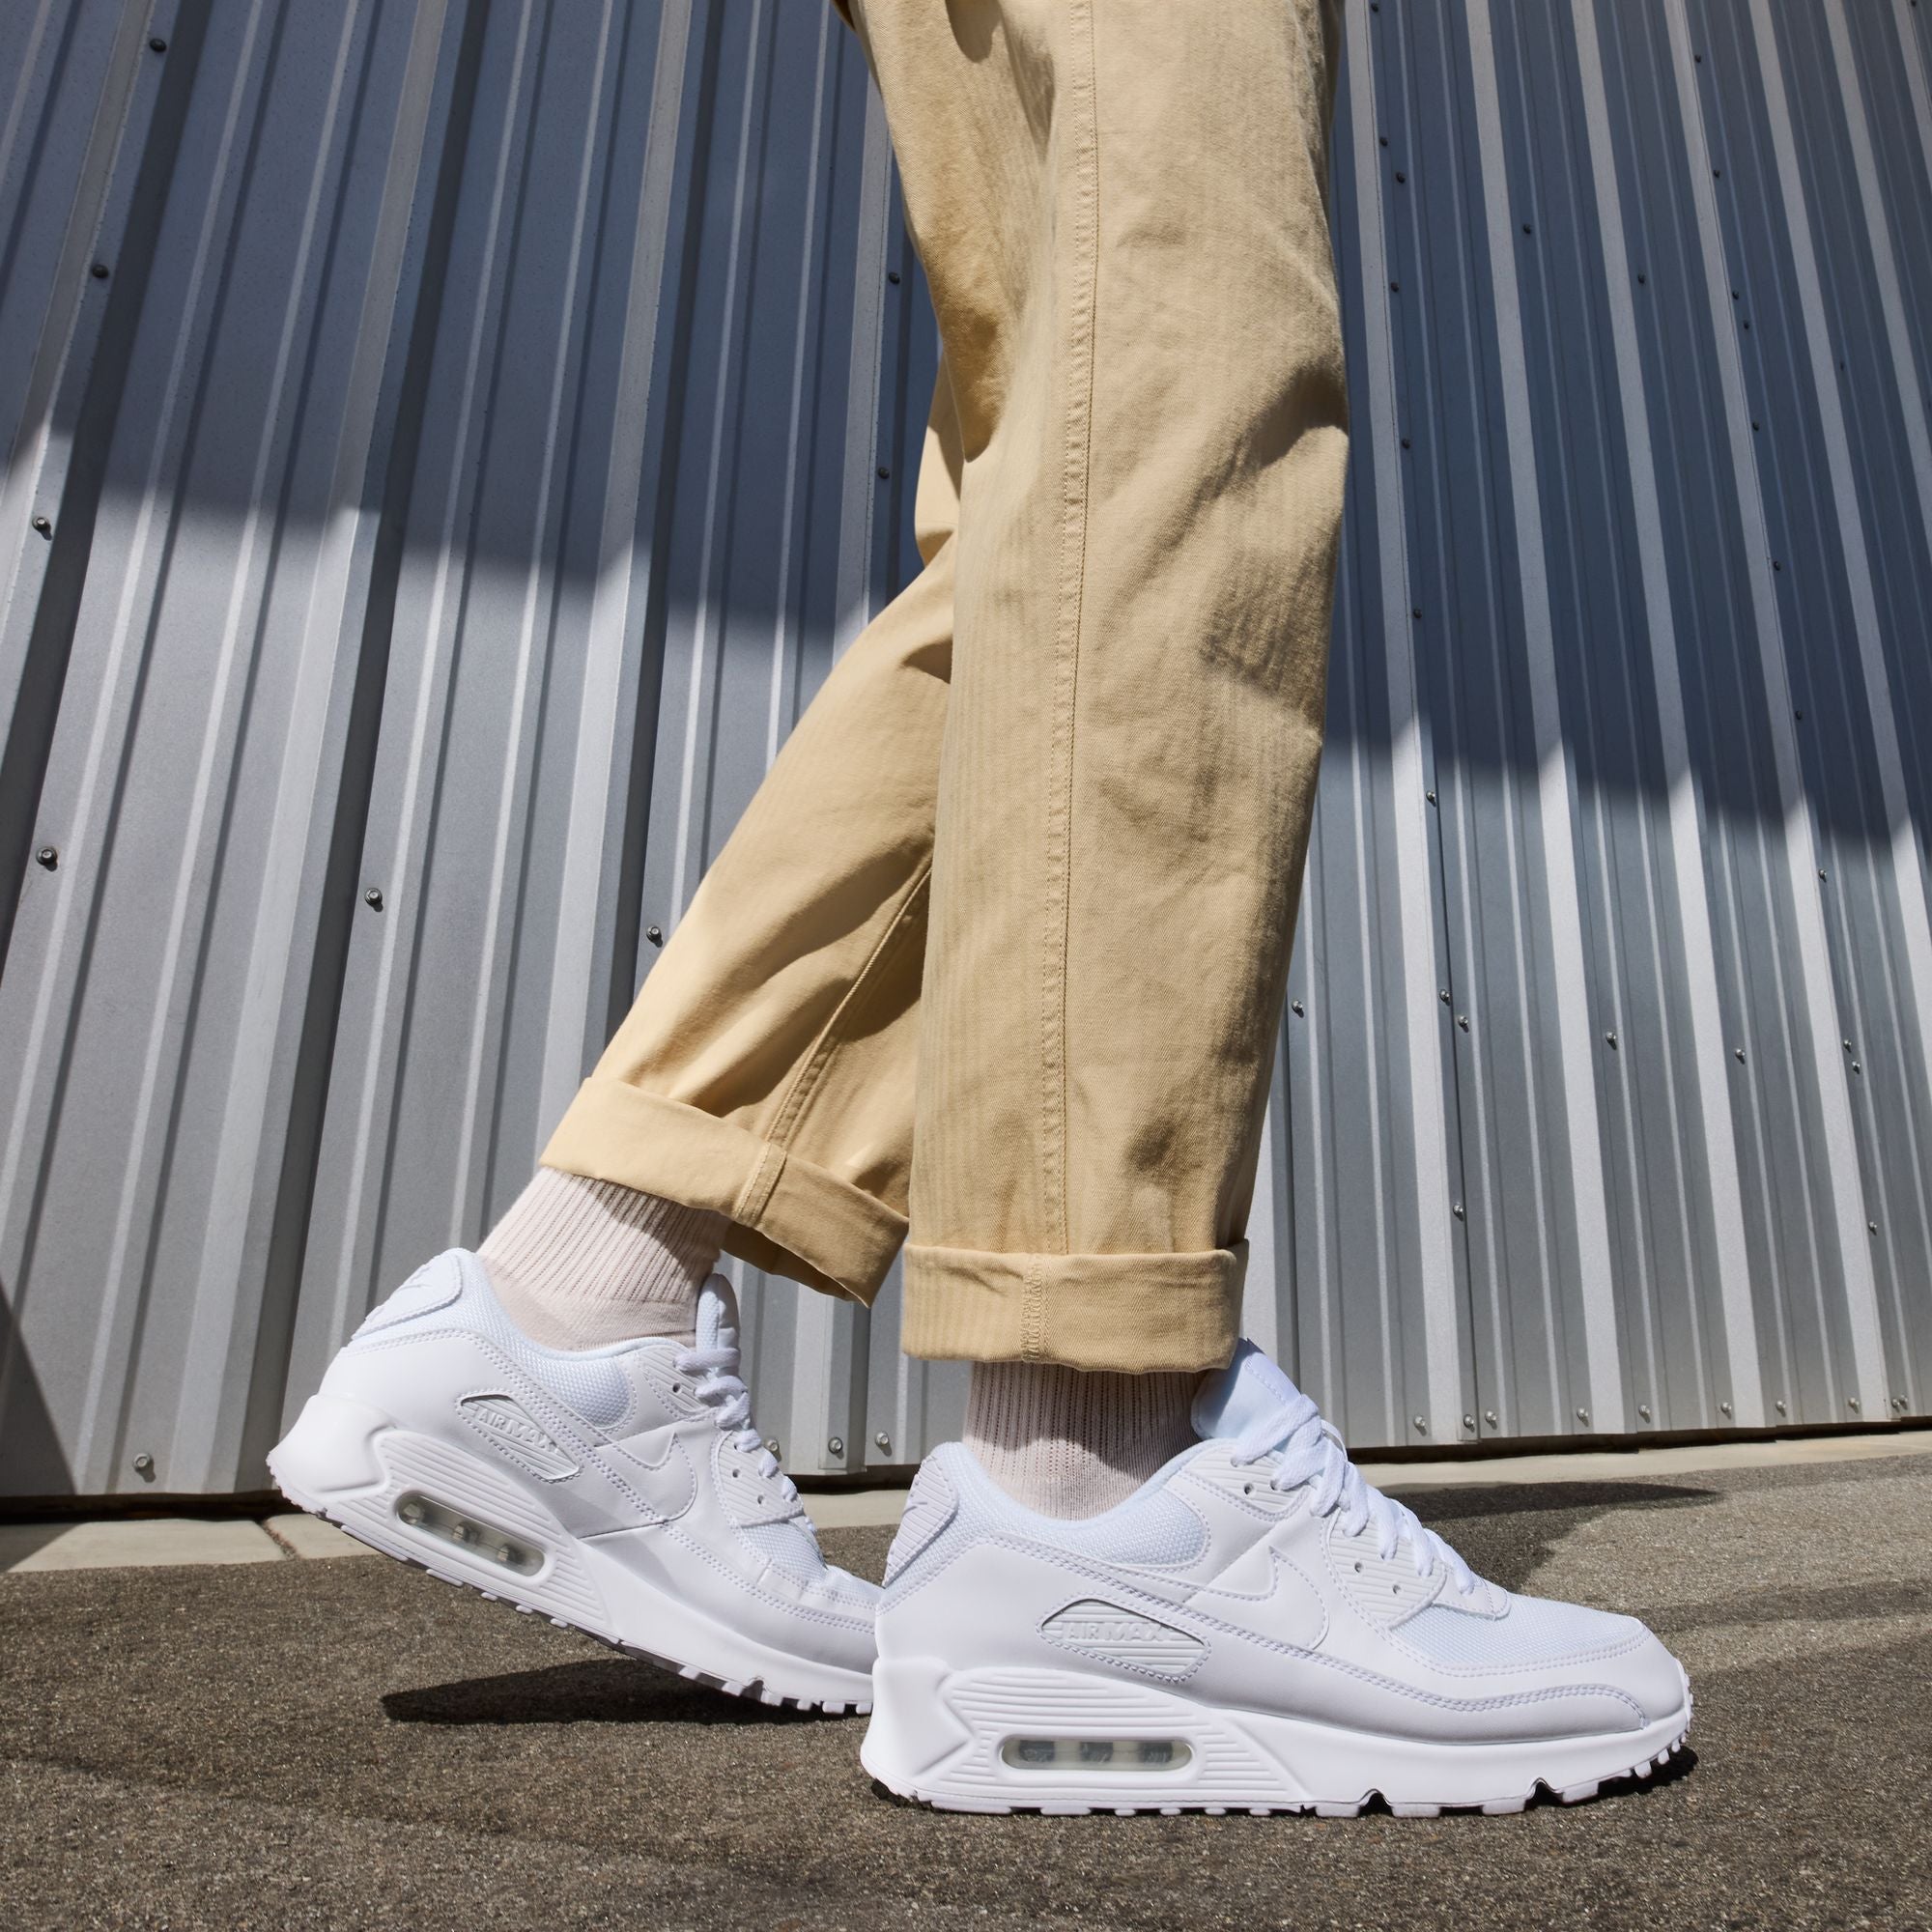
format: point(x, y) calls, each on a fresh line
point(1249, 1390)
point(717, 1314)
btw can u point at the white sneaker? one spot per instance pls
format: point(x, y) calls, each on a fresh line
point(620, 1491)
point(1255, 1628)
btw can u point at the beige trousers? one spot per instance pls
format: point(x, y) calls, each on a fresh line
point(993, 963)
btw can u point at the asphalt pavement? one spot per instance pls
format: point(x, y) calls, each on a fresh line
point(352, 1744)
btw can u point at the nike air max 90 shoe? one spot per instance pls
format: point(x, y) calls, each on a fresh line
point(1255, 1628)
point(619, 1490)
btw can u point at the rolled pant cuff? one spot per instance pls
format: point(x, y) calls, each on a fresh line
point(1137, 1312)
point(787, 1215)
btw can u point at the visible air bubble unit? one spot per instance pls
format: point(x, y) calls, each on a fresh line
point(1095, 1753)
point(467, 1532)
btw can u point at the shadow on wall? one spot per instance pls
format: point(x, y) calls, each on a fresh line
point(36, 1463)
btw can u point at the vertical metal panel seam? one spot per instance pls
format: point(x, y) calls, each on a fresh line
point(542, 570)
point(570, 1021)
point(1684, 808)
point(1554, 778)
point(1415, 887)
point(1801, 850)
point(394, 971)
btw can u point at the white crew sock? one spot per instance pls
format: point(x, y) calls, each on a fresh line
point(578, 1263)
point(1072, 1442)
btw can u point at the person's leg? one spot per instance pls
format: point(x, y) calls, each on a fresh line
point(758, 1094)
point(1122, 211)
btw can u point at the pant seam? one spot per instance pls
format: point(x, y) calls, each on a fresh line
point(811, 1069)
point(1033, 1313)
point(1075, 465)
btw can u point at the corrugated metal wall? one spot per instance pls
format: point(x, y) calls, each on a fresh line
point(448, 442)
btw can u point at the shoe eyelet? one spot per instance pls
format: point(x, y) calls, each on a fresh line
point(1247, 1488)
point(1358, 1565)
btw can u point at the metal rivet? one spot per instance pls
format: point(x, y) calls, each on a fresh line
point(1405, 443)
point(1898, 1403)
point(1774, 564)
point(1443, 995)
point(1385, 141)
point(1456, 1210)
point(1852, 1402)
point(882, 1440)
point(1821, 872)
point(1395, 288)
point(655, 934)
point(1416, 614)
point(1643, 1410)
point(885, 474)
point(1641, 278)
point(836, 1445)
point(1723, 1409)
point(1429, 796)
point(48, 857)
point(1525, 228)
point(1582, 1415)
point(1295, 1007)
point(1609, 1039)
point(1846, 1044)
point(1399, 177)
point(99, 271)
point(1463, 1021)
point(45, 529)
point(1871, 1227)
point(1718, 174)
point(160, 46)
point(1779, 1407)
point(1754, 427)
point(373, 898)
point(144, 1464)
point(1421, 1426)
point(893, 276)
point(1490, 1416)
point(1740, 1053)
point(1855, 1067)
point(1468, 1422)
point(1799, 716)
point(772, 1444)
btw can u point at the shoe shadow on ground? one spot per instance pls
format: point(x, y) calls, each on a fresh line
point(596, 1690)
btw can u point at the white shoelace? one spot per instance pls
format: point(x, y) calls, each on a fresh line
point(716, 1383)
point(1310, 1452)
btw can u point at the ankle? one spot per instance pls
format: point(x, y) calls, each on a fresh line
point(1072, 1442)
point(579, 1264)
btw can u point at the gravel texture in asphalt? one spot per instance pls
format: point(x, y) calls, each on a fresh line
point(356, 1745)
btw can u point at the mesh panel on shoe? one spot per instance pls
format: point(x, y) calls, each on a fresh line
point(1533, 1630)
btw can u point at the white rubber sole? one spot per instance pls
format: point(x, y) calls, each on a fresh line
point(1059, 1741)
point(469, 1523)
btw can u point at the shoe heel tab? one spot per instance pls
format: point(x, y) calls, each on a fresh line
point(435, 1286)
point(931, 1504)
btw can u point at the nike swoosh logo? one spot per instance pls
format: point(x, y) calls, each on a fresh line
point(1286, 1608)
point(668, 1483)
point(1291, 1611)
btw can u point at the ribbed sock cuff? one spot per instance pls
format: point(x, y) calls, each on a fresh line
point(1072, 1442)
point(579, 1263)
